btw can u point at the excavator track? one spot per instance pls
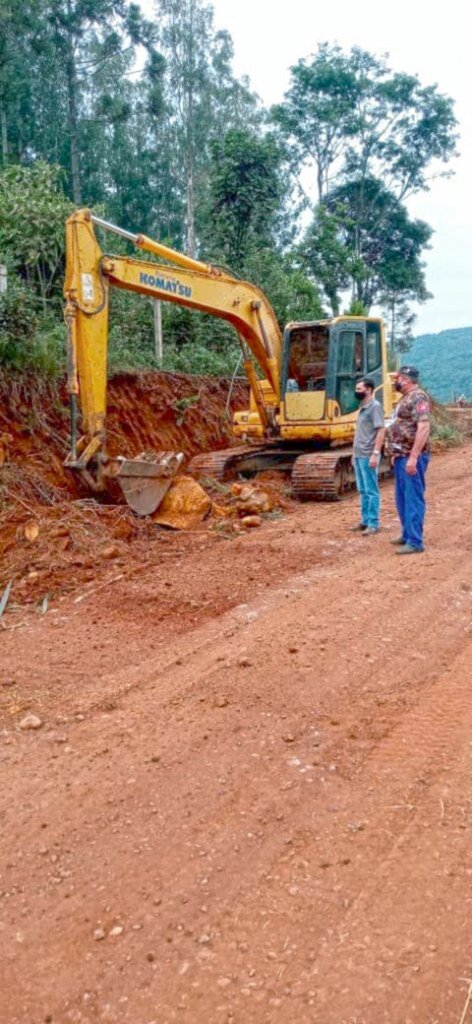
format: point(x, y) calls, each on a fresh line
point(218, 465)
point(315, 476)
point(245, 459)
point(322, 476)
point(327, 476)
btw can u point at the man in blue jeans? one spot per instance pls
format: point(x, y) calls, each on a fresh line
point(368, 441)
point(408, 446)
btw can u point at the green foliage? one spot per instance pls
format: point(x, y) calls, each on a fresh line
point(33, 210)
point(181, 405)
point(362, 236)
point(182, 151)
point(246, 195)
point(291, 293)
point(356, 308)
point(349, 115)
point(201, 360)
point(400, 323)
point(43, 352)
point(193, 342)
point(446, 435)
point(18, 315)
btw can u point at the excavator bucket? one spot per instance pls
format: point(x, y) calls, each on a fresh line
point(146, 479)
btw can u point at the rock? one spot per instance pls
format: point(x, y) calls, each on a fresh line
point(30, 722)
point(253, 500)
point(204, 939)
point(56, 737)
point(116, 930)
point(31, 532)
point(220, 702)
point(288, 737)
point(99, 934)
point(244, 662)
point(184, 506)
point(249, 522)
point(111, 551)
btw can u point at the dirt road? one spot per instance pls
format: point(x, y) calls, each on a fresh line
point(249, 799)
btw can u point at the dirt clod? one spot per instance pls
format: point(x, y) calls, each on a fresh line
point(30, 722)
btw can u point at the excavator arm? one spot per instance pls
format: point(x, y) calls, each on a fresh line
point(185, 281)
point(89, 273)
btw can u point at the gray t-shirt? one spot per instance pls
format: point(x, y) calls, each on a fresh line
point(369, 421)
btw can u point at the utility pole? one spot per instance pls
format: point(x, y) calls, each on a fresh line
point(157, 330)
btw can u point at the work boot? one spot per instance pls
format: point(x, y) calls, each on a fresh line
point(408, 549)
point(360, 528)
point(398, 540)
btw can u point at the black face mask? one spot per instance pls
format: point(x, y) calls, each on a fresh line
point(398, 386)
point(360, 395)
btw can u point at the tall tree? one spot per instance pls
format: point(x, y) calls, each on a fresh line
point(73, 42)
point(363, 236)
point(204, 95)
point(348, 114)
point(246, 195)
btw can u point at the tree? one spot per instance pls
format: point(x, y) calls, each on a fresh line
point(17, 24)
point(246, 196)
point(325, 256)
point(33, 211)
point(363, 236)
point(348, 115)
point(205, 99)
point(72, 43)
point(400, 324)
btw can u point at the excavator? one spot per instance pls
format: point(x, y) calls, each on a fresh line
point(302, 410)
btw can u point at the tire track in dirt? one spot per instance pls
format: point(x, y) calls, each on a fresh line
point(265, 833)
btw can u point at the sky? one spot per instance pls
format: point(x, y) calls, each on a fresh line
point(430, 40)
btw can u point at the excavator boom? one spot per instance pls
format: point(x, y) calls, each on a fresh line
point(183, 280)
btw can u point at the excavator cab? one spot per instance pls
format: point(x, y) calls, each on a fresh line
point(355, 352)
point(323, 360)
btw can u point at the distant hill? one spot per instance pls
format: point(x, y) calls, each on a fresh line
point(445, 362)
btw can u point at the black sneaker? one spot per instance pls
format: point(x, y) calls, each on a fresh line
point(398, 540)
point(360, 528)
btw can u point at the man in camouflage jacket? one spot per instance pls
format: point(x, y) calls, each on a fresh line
point(407, 443)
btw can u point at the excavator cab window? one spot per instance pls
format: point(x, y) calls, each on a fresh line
point(349, 367)
point(308, 356)
point(373, 348)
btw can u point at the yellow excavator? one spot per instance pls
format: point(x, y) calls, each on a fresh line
point(302, 410)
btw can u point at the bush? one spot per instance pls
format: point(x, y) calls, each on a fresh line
point(201, 360)
point(18, 315)
point(43, 353)
point(446, 435)
point(28, 341)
